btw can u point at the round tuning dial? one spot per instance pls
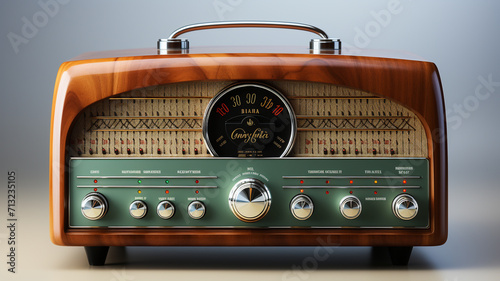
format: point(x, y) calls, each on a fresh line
point(350, 207)
point(196, 210)
point(94, 206)
point(249, 120)
point(405, 207)
point(138, 209)
point(301, 207)
point(249, 200)
point(165, 210)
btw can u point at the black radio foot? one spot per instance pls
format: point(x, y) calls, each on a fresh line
point(400, 255)
point(97, 255)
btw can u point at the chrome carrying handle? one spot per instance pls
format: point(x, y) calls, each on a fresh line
point(316, 45)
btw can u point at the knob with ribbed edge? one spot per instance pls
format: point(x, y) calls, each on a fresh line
point(196, 210)
point(350, 207)
point(138, 209)
point(301, 207)
point(405, 207)
point(249, 200)
point(165, 209)
point(94, 206)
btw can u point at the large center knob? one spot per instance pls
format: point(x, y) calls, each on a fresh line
point(249, 200)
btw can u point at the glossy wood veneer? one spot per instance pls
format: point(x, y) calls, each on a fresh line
point(414, 84)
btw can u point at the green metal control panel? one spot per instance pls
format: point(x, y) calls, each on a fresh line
point(373, 185)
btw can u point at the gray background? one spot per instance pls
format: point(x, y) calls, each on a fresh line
point(461, 37)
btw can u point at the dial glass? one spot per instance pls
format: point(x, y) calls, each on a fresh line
point(249, 120)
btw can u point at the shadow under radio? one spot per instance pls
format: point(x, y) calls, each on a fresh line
point(272, 258)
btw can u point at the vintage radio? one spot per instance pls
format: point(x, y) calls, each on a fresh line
point(248, 146)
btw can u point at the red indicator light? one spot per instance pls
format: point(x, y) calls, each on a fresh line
point(197, 191)
point(327, 182)
point(95, 181)
point(375, 192)
point(95, 189)
point(301, 181)
point(404, 190)
point(166, 191)
point(350, 181)
point(197, 181)
point(350, 192)
point(404, 181)
point(301, 190)
point(327, 192)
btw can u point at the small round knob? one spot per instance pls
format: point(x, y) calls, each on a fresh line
point(301, 207)
point(165, 210)
point(94, 206)
point(350, 207)
point(405, 207)
point(196, 210)
point(249, 200)
point(138, 209)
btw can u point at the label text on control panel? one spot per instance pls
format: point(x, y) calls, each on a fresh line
point(375, 198)
point(404, 170)
point(324, 171)
point(188, 172)
point(151, 172)
point(131, 171)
